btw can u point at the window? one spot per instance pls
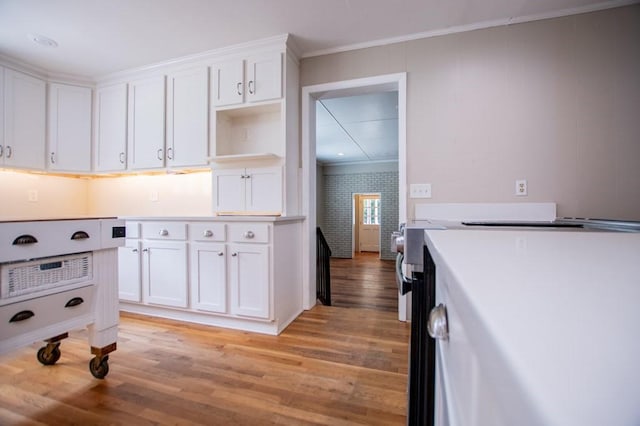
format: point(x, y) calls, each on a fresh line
point(371, 211)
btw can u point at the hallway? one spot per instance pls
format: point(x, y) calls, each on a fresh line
point(364, 281)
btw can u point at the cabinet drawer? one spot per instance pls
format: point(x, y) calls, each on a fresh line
point(249, 233)
point(132, 229)
point(206, 231)
point(164, 231)
point(47, 310)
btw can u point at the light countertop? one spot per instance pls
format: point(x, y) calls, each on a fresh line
point(559, 312)
point(214, 218)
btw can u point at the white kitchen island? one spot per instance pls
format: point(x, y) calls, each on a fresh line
point(544, 327)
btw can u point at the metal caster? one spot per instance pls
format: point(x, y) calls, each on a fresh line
point(99, 366)
point(50, 354)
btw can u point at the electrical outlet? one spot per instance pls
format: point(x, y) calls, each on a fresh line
point(420, 190)
point(33, 195)
point(153, 196)
point(521, 187)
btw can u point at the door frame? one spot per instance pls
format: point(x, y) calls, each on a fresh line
point(326, 90)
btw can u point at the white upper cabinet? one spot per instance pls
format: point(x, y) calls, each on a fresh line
point(257, 78)
point(111, 128)
point(187, 118)
point(69, 125)
point(24, 121)
point(252, 190)
point(147, 123)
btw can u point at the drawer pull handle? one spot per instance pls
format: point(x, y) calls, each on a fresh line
point(220, 253)
point(74, 302)
point(163, 232)
point(234, 254)
point(80, 235)
point(21, 316)
point(24, 240)
point(249, 235)
point(208, 233)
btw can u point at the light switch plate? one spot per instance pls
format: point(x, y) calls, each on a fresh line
point(420, 190)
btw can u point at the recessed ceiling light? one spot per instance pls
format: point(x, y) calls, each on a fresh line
point(42, 40)
point(340, 154)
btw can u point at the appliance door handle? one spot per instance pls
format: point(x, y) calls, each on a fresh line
point(404, 282)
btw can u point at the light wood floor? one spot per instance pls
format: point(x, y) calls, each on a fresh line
point(332, 366)
point(364, 281)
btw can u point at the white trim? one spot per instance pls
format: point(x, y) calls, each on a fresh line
point(471, 27)
point(309, 95)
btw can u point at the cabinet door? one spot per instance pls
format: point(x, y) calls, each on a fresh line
point(129, 281)
point(208, 277)
point(111, 128)
point(165, 273)
point(264, 77)
point(24, 125)
point(228, 83)
point(187, 118)
point(146, 123)
point(69, 128)
point(264, 190)
point(229, 187)
point(249, 280)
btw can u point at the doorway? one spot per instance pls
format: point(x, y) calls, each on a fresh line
point(366, 223)
point(310, 94)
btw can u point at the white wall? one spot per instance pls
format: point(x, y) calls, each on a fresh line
point(554, 102)
point(39, 196)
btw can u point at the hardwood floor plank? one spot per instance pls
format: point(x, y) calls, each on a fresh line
point(332, 365)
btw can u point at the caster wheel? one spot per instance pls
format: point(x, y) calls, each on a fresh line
point(48, 357)
point(99, 367)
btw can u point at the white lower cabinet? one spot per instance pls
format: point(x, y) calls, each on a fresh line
point(164, 272)
point(242, 275)
point(129, 282)
point(208, 280)
point(249, 279)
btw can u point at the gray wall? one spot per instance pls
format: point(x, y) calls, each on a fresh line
point(336, 210)
point(555, 102)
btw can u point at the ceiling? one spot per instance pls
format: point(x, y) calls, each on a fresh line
point(361, 128)
point(98, 37)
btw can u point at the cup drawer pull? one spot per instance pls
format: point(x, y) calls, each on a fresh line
point(80, 235)
point(21, 316)
point(74, 302)
point(24, 240)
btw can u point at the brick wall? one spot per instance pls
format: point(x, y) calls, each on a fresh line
point(337, 208)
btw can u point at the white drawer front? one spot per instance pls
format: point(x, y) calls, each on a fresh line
point(249, 232)
point(206, 231)
point(49, 239)
point(133, 229)
point(164, 231)
point(47, 310)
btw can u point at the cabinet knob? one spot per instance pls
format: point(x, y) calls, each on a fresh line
point(163, 232)
point(134, 250)
point(437, 326)
point(249, 234)
point(208, 233)
point(220, 253)
point(234, 254)
point(145, 250)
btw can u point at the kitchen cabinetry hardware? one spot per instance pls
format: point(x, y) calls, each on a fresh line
point(234, 254)
point(80, 235)
point(164, 232)
point(135, 250)
point(208, 233)
point(159, 154)
point(22, 316)
point(24, 239)
point(122, 158)
point(249, 234)
point(1, 150)
point(145, 250)
point(220, 253)
point(74, 302)
point(437, 326)
point(238, 86)
point(251, 83)
point(53, 158)
point(170, 153)
point(9, 152)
